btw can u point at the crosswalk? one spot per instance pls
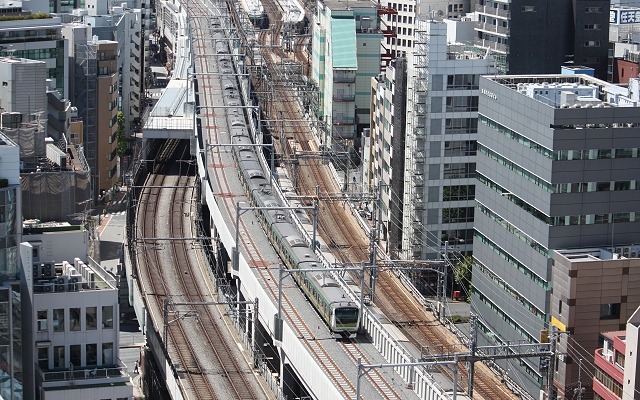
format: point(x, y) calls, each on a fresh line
point(115, 213)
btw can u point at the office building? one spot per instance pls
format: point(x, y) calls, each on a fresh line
point(537, 37)
point(557, 168)
point(37, 37)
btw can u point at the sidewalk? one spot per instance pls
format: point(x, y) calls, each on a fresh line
point(112, 235)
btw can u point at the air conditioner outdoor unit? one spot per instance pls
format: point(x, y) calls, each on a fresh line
point(75, 283)
point(49, 287)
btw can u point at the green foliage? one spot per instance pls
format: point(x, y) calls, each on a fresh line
point(462, 272)
point(40, 15)
point(121, 145)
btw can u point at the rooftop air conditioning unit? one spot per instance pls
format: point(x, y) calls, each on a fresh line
point(75, 283)
point(48, 287)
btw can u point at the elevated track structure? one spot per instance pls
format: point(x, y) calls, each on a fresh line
point(200, 213)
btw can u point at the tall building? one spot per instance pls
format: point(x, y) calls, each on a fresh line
point(439, 143)
point(537, 37)
point(12, 363)
point(556, 169)
point(96, 96)
point(37, 37)
point(346, 54)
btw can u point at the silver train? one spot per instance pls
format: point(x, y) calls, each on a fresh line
point(329, 299)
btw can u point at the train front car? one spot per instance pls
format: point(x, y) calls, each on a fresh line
point(345, 318)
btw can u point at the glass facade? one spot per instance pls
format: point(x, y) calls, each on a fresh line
point(10, 341)
point(8, 234)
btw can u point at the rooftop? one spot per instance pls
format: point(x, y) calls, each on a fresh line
point(337, 5)
point(598, 254)
point(63, 277)
point(19, 60)
point(572, 90)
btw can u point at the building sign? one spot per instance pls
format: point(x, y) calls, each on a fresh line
point(623, 16)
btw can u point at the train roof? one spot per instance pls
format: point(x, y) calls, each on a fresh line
point(253, 8)
point(292, 11)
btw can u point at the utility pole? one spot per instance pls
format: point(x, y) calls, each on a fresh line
point(472, 349)
point(373, 240)
point(579, 390)
point(553, 337)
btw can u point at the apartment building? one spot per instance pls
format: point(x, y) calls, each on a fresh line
point(346, 54)
point(96, 96)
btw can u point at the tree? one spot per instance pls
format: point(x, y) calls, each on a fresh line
point(462, 272)
point(121, 145)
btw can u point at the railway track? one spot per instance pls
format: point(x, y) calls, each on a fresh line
point(170, 272)
point(220, 163)
point(344, 236)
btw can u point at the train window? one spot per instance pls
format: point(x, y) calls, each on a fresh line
point(346, 316)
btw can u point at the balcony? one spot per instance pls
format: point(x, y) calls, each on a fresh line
point(500, 12)
point(103, 375)
point(343, 120)
point(342, 77)
point(607, 364)
point(483, 26)
point(344, 97)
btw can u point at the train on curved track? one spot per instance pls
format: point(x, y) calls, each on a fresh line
point(327, 296)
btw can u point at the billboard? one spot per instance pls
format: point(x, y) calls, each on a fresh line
point(623, 16)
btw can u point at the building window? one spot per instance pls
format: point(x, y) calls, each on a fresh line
point(459, 170)
point(107, 353)
point(457, 214)
point(74, 319)
point(463, 81)
point(43, 357)
point(559, 307)
point(91, 316)
point(75, 355)
point(58, 320)
point(107, 317)
point(610, 311)
point(461, 125)
point(592, 27)
point(92, 354)
point(592, 43)
point(460, 148)
point(529, 8)
point(593, 10)
point(458, 192)
point(58, 357)
point(42, 321)
point(462, 103)
point(608, 382)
